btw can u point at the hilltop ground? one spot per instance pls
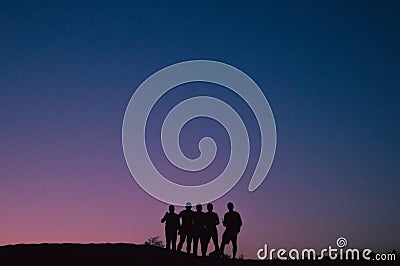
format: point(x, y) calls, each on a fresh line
point(124, 254)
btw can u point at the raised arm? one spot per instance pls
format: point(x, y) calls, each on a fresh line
point(164, 218)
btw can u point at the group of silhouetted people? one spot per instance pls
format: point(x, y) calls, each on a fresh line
point(198, 226)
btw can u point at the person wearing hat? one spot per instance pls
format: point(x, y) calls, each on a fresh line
point(186, 229)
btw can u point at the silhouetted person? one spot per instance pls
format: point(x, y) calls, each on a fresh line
point(211, 221)
point(171, 220)
point(232, 222)
point(186, 230)
point(199, 230)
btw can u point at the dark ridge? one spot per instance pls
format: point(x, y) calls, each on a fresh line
point(128, 254)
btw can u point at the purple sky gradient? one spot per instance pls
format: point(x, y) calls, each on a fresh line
point(330, 75)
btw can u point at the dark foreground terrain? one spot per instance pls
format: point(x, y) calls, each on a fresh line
point(128, 254)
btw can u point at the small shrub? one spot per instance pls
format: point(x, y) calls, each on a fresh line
point(155, 241)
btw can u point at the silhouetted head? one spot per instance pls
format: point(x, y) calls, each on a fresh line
point(199, 207)
point(188, 205)
point(210, 207)
point(230, 206)
point(171, 208)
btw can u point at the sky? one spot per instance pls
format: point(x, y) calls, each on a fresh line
point(330, 72)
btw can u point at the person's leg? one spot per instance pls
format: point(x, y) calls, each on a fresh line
point(195, 243)
point(234, 246)
point(189, 239)
point(204, 244)
point(206, 240)
point(215, 240)
point(182, 237)
point(223, 242)
point(168, 239)
point(173, 240)
point(222, 248)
